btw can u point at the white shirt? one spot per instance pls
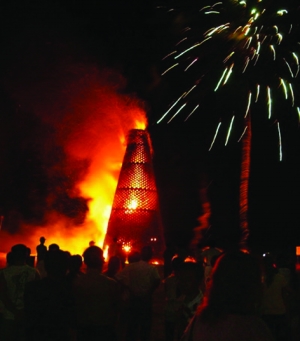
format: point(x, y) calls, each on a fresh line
point(139, 277)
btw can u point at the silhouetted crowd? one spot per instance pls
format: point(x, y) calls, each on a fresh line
point(213, 295)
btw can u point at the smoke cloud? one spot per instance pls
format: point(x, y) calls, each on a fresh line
point(63, 125)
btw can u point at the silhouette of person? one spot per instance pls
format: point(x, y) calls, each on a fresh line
point(190, 276)
point(48, 302)
point(134, 256)
point(230, 307)
point(113, 266)
point(274, 310)
point(113, 249)
point(41, 249)
point(142, 279)
point(75, 264)
point(172, 304)
point(13, 279)
point(168, 255)
point(97, 300)
point(54, 247)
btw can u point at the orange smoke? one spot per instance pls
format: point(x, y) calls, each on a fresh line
point(91, 118)
point(86, 114)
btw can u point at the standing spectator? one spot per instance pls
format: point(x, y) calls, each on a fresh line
point(284, 267)
point(172, 293)
point(97, 300)
point(190, 277)
point(141, 279)
point(13, 279)
point(113, 249)
point(169, 253)
point(75, 264)
point(208, 270)
point(274, 311)
point(54, 247)
point(41, 250)
point(113, 267)
point(134, 256)
point(209, 253)
point(230, 308)
point(48, 302)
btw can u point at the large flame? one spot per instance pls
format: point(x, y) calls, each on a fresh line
point(93, 127)
point(102, 191)
point(87, 113)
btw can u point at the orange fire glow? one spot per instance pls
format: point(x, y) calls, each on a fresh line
point(100, 185)
point(140, 124)
point(132, 204)
point(127, 247)
point(93, 127)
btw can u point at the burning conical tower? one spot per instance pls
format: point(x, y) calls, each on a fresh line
point(135, 219)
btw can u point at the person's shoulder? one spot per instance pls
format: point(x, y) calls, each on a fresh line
point(113, 283)
point(146, 264)
point(154, 272)
point(18, 270)
point(34, 285)
point(108, 279)
point(79, 279)
point(135, 266)
point(33, 288)
point(29, 268)
point(33, 273)
point(109, 284)
point(153, 267)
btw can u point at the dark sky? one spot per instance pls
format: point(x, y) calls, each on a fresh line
point(132, 37)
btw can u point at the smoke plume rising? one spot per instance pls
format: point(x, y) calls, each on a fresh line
point(64, 121)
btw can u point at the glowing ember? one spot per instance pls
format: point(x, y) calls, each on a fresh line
point(133, 204)
point(127, 247)
point(190, 259)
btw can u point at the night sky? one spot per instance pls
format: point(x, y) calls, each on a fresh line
point(132, 37)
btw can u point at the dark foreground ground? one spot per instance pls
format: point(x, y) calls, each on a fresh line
point(158, 333)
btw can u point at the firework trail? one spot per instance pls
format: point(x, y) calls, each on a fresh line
point(238, 57)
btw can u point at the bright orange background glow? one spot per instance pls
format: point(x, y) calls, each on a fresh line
point(91, 119)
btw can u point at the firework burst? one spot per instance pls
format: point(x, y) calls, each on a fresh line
point(237, 58)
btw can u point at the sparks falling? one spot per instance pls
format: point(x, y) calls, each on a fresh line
point(236, 50)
